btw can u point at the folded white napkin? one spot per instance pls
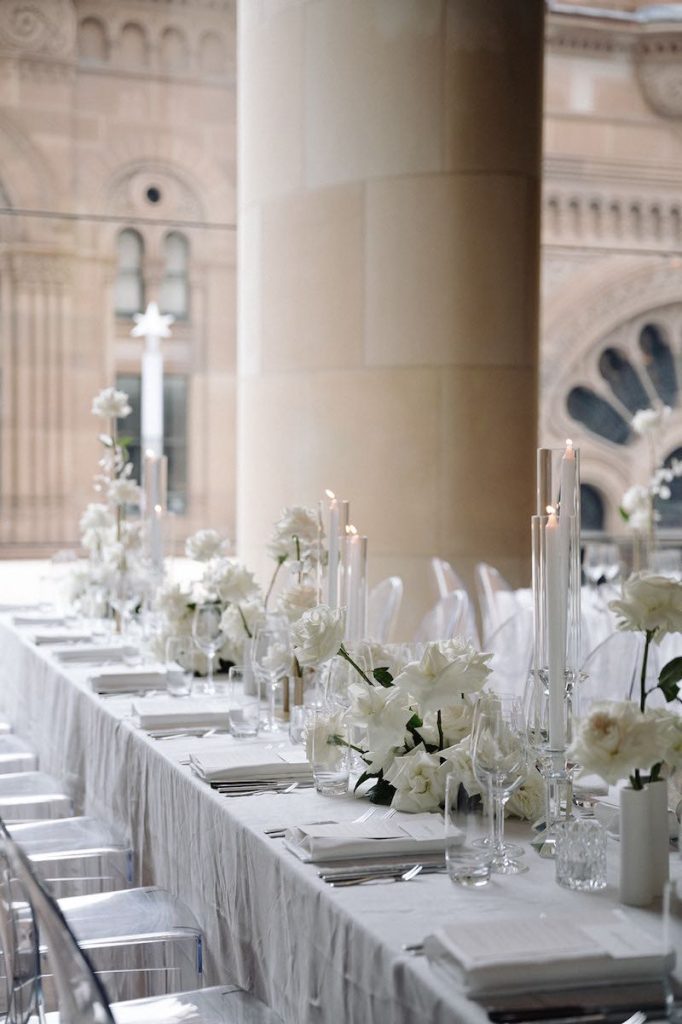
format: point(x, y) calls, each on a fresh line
point(171, 712)
point(93, 652)
point(401, 835)
point(113, 680)
point(158, 1011)
point(495, 955)
point(60, 636)
point(36, 619)
point(252, 762)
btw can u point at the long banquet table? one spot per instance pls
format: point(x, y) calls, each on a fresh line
point(314, 953)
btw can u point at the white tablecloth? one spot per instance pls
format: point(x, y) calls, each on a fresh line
point(315, 954)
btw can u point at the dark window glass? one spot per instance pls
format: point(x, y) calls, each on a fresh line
point(594, 412)
point(670, 509)
point(659, 362)
point(129, 285)
point(623, 380)
point(591, 508)
point(174, 433)
point(174, 294)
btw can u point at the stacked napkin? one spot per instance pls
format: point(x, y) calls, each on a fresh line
point(60, 636)
point(494, 955)
point(117, 680)
point(37, 619)
point(252, 762)
point(191, 712)
point(93, 652)
point(400, 835)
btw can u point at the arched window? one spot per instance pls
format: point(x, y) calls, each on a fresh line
point(598, 415)
point(92, 41)
point(129, 286)
point(619, 373)
point(592, 512)
point(670, 509)
point(174, 50)
point(134, 48)
point(174, 294)
point(659, 362)
point(212, 53)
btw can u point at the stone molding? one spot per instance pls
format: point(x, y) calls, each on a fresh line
point(40, 268)
point(615, 217)
point(44, 27)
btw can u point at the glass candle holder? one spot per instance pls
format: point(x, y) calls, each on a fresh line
point(581, 855)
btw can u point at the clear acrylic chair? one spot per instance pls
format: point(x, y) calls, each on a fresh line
point(511, 646)
point(16, 755)
point(383, 605)
point(496, 599)
point(451, 616)
point(446, 578)
point(610, 671)
point(76, 856)
point(29, 796)
point(28, 913)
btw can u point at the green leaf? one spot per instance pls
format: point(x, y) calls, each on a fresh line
point(363, 778)
point(383, 676)
point(382, 793)
point(623, 514)
point(125, 442)
point(414, 723)
point(669, 677)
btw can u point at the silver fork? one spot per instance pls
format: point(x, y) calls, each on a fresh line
point(406, 876)
point(638, 1017)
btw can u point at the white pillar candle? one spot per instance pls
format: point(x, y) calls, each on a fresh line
point(155, 524)
point(333, 559)
point(556, 631)
point(155, 480)
point(152, 326)
point(355, 589)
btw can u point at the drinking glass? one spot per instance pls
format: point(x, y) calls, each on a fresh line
point(124, 598)
point(465, 817)
point(244, 708)
point(209, 639)
point(601, 563)
point(671, 940)
point(500, 761)
point(181, 656)
point(271, 658)
point(327, 749)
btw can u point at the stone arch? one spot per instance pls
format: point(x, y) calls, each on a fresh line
point(93, 41)
point(212, 53)
point(174, 53)
point(133, 46)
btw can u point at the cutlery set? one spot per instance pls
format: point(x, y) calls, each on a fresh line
point(248, 788)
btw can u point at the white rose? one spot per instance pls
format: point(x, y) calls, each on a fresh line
point(172, 601)
point(376, 655)
point(635, 500)
point(98, 540)
point(382, 711)
point(528, 801)
point(229, 580)
point(650, 604)
point(204, 545)
point(616, 738)
point(455, 723)
point(419, 781)
point(111, 404)
point(448, 669)
point(96, 517)
point(648, 421)
point(296, 523)
point(318, 635)
point(124, 492)
point(296, 599)
point(325, 740)
point(458, 763)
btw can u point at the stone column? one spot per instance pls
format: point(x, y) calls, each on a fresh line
point(389, 163)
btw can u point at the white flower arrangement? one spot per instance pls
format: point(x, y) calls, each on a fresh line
point(625, 739)
point(416, 717)
point(204, 545)
point(637, 506)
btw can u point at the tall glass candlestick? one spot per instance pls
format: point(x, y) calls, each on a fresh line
point(355, 585)
point(155, 480)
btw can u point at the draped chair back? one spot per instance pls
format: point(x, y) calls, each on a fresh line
point(24, 906)
point(511, 646)
point(383, 606)
point(451, 616)
point(610, 671)
point(446, 578)
point(496, 599)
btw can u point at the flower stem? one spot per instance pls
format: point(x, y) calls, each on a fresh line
point(642, 678)
point(439, 723)
point(344, 654)
point(245, 623)
point(280, 563)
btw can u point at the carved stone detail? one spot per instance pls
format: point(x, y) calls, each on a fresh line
point(45, 27)
point(40, 268)
point(659, 73)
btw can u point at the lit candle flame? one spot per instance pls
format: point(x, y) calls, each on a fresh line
point(570, 451)
point(551, 511)
point(158, 509)
point(351, 530)
point(330, 494)
point(149, 453)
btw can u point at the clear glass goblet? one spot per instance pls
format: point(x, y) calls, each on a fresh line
point(271, 660)
point(500, 762)
point(209, 639)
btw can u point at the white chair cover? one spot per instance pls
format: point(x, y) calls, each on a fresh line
point(446, 578)
point(496, 599)
point(512, 648)
point(383, 606)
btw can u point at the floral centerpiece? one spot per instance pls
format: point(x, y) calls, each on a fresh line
point(626, 739)
point(638, 504)
point(416, 716)
point(112, 541)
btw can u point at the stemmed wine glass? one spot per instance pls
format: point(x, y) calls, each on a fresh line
point(209, 639)
point(500, 759)
point(124, 599)
point(271, 659)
